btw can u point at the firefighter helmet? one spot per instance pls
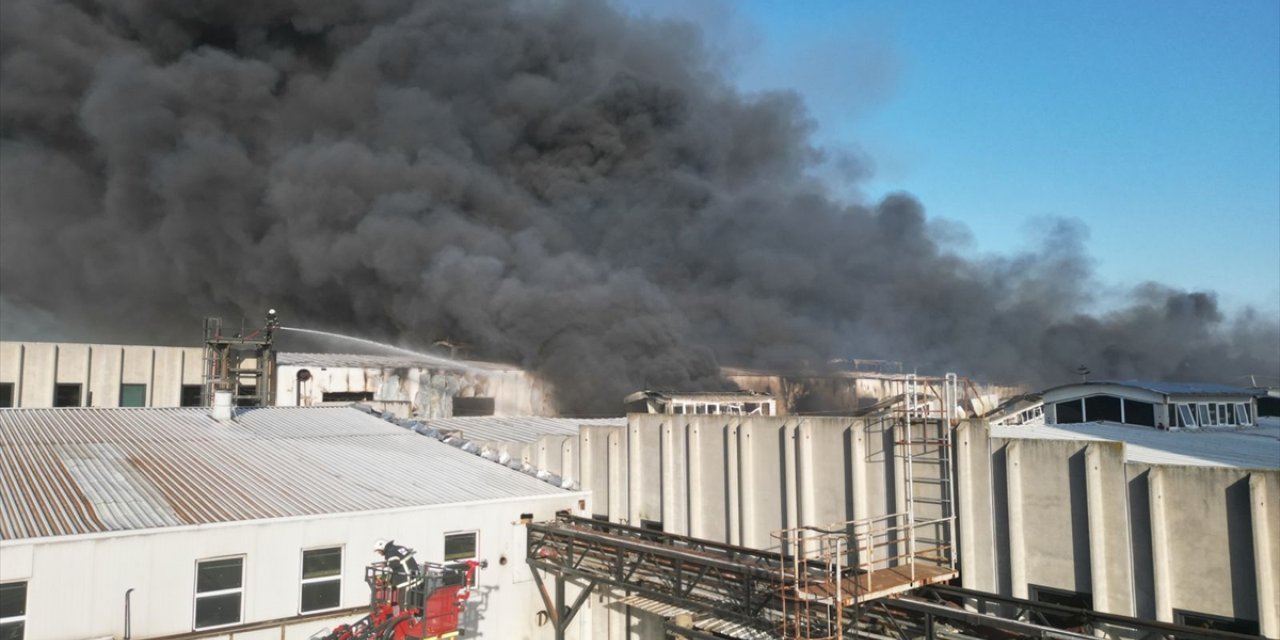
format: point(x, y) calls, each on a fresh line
point(380, 545)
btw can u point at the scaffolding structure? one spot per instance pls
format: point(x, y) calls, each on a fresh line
point(242, 363)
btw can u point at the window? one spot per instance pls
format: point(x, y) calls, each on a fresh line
point(1062, 598)
point(191, 396)
point(460, 546)
point(6, 394)
point(1216, 623)
point(1187, 416)
point(133, 395)
point(219, 589)
point(1224, 413)
point(1102, 408)
point(66, 395)
point(1242, 414)
point(346, 396)
point(1069, 412)
point(13, 610)
point(472, 407)
point(1206, 419)
point(321, 579)
point(1143, 413)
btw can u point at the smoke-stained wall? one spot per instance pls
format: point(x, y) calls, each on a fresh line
point(563, 186)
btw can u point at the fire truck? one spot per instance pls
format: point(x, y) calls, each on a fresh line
point(427, 608)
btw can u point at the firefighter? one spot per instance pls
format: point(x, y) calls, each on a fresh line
point(404, 568)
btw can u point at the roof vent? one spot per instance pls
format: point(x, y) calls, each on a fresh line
point(221, 410)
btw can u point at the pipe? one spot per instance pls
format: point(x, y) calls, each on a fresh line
point(128, 610)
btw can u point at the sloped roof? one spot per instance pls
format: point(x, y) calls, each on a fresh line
point(517, 429)
point(1172, 388)
point(1248, 448)
point(90, 470)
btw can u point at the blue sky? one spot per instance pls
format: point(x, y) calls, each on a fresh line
point(1157, 124)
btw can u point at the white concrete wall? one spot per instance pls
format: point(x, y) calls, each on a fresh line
point(1142, 539)
point(35, 367)
point(1063, 514)
point(76, 585)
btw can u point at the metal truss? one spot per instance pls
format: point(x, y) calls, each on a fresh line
point(724, 581)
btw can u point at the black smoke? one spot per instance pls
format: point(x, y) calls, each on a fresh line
point(552, 182)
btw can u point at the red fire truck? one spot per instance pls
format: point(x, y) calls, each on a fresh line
point(427, 608)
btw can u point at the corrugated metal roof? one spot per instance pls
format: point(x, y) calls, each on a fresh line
point(75, 471)
point(517, 429)
point(1172, 388)
point(1248, 448)
point(359, 361)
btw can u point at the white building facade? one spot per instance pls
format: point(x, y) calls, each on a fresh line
point(148, 523)
point(62, 374)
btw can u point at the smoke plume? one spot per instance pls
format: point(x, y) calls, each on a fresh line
point(552, 182)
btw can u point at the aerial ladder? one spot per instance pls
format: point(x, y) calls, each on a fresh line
point(428, 607)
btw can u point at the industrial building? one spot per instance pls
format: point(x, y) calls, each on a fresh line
point(156, 522)
point(48, 374)
point(1174, 527)
point(1098, 520)
point(409, 387)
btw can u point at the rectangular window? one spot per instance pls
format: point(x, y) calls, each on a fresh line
point(1141, 413)
point(1102, 409)
point(1187, 416)
point(219, 592)
point(321, 579)
point(13, 610)
point(66, 395)
point(191, 396)
point(1070, 412)
point(133, 395)
point(1242, 414)
point(6, 394)
point(1215, 623)
point(1206, 415)
point(463, 407)
point(460, 546)
point(1062, 598)
point(1224, 413)
point(346, 396)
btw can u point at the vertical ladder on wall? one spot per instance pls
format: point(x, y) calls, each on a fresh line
point(213, 367)
point(827, 569)
point(923, 442)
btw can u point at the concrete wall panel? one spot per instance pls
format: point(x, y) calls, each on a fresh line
point(1264, 503)
point(593, 444)
point(644, 439)
point(1109, 547)
point(1048, 515)
point(974, 501)
point(762, 500)
point(675, 475)
point(709, 442)
point(1202, 538)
